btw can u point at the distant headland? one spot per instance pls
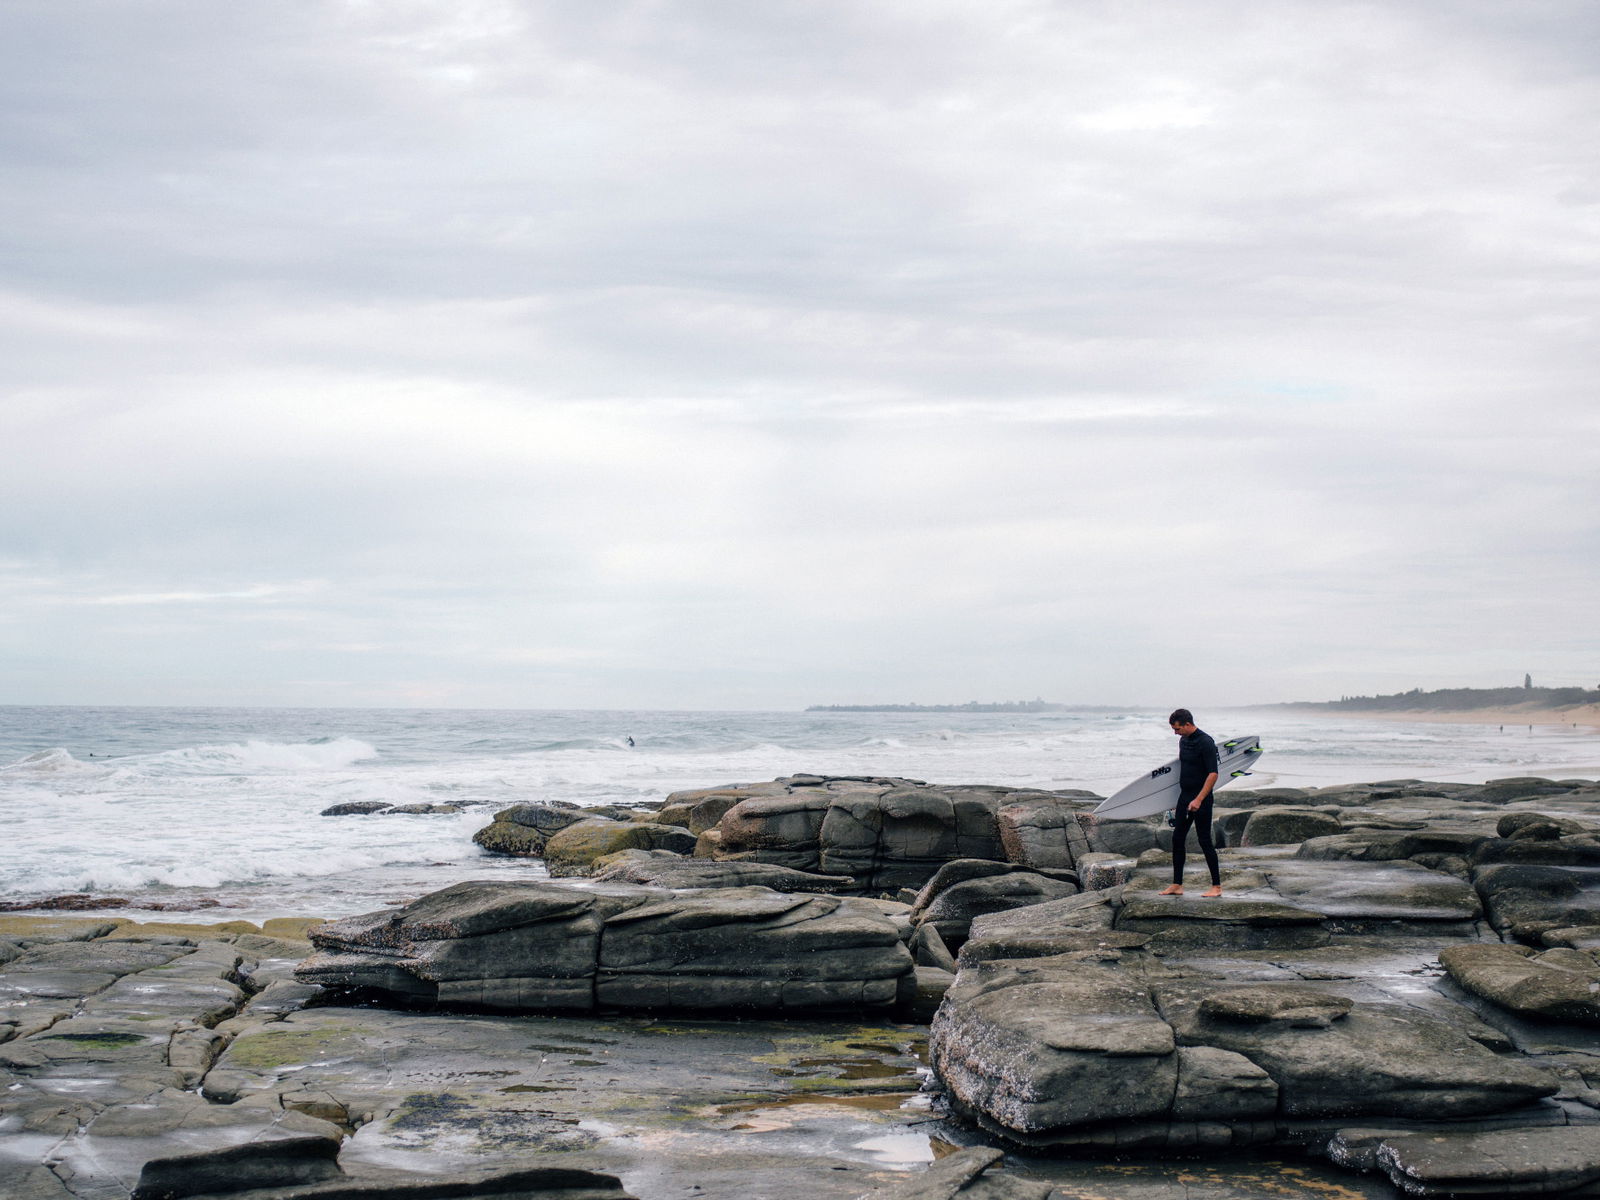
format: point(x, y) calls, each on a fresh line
point(971, 706)
point(1528, 705)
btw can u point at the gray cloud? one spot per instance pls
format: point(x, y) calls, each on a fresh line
point(563, 354)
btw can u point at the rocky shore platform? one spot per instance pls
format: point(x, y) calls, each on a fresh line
point(857, 987)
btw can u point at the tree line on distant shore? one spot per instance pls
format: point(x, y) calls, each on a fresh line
point(1461, 699)
point(1002, 706)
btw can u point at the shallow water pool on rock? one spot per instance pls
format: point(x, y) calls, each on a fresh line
point(676, 1108)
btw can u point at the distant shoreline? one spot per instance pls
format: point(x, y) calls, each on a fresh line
point(1586, 715)
point(972, 706)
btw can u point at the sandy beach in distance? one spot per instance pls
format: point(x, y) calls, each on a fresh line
point(1578, 714)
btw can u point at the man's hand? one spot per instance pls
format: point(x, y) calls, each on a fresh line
point(1205, 791)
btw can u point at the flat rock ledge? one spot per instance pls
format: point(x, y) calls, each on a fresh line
point(1058, 1053)
point(1499, 1162)
point(165, 1061)
point(1560, 984)
point(108, 1032)
point(1362, 1007)
point(544, 946)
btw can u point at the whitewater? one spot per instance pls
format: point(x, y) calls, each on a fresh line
point(213, 814)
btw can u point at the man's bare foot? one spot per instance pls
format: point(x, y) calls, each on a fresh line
point(1212, 892)
point(1172, 889)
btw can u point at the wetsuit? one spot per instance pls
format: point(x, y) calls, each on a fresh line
point(1197, 758)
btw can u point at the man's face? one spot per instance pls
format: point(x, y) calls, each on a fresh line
point(1183, 730)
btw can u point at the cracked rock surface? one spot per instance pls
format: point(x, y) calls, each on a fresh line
point(1412, 995)
point(548, 946)
point(1405, 991)
point(178, 1066)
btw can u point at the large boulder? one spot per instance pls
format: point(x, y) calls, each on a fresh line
point(969, 888)
point(1281, 825)
point(1042, 829)
point(784, 829)
point(574, 849)
point(1069, 1050)
point(1528, 900)
point(1086, 912)
point(1126, 839)
point(1044, 1044)
point(886, 834)
point(707, 806)
point(547, 946)
point(1561, 984)
point(505, 837)
point(357, 808)
point(670, 814)
point(523, 829)
point(1522, 787)
point(900, 837)
point(1537, 826)
point(525, 946)
point(1276, 903)
point(732, 948)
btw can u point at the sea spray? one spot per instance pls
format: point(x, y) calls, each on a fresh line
point(185, 804)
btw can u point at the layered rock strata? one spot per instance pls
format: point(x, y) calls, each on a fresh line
point(555, 947)
point(1411, 994)
point(111, 1030)
point(888, 834)
point(163, 1061)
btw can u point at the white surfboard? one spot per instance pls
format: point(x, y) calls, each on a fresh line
point(1157, 792)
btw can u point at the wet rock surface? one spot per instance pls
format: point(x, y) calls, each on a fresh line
point(547, 946)
point(661, 868)
point(170, 1067)
point(964, 1175)
point(883, 833)
point(644, 1097)
point(1403, 998)
point(1561, 984)
point(1350, 993)
point(965, 889)
point(1493, 1162)
point(575, 848)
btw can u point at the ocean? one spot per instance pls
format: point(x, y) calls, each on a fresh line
point(211, 814)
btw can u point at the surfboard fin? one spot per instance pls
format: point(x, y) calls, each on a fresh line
point(1239, 774)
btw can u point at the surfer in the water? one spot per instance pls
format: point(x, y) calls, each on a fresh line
point(1197, 780)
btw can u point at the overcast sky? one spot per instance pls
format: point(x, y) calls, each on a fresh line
point(757, 353)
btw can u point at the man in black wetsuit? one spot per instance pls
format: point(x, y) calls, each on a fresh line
point(1197, 780)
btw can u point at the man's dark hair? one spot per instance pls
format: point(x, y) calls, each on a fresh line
point(1181, 716)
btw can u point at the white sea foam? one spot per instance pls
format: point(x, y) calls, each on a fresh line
point(226, 803)
point(49, 765)
point(270, 756)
